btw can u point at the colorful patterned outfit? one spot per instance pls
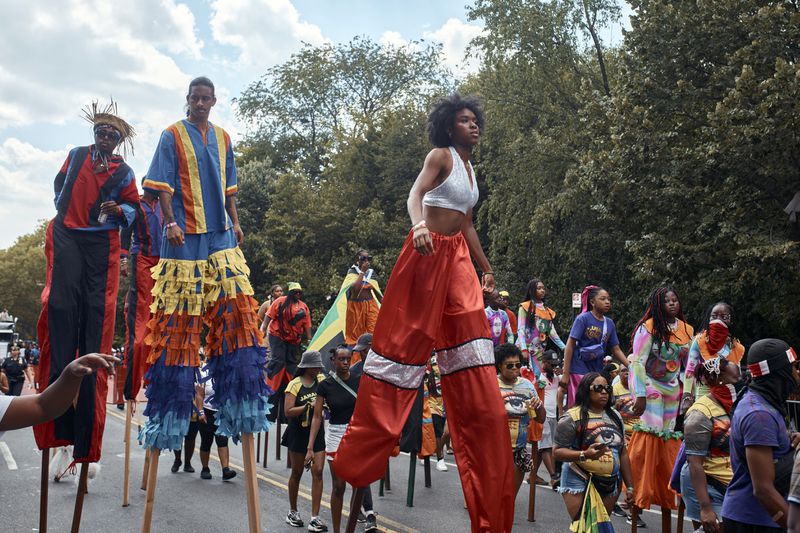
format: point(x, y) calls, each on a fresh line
point(204, 280)
point(499, 326)
point(532, 336)
point(79, 299)
point(700, 351)
point(655, 371)
point(143, 241)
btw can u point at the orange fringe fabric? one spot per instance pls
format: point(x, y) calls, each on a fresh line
point(232, 323)
point(652, 459)
point(187, 294)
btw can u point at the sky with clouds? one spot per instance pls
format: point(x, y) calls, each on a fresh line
point(59, 55)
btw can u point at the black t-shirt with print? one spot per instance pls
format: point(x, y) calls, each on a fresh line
point(341, 403)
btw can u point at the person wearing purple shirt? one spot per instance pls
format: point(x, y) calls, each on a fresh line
point(592, 334)
point(761, 452)
point(499, 324)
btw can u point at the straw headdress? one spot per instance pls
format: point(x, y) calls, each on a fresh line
point(97, 115)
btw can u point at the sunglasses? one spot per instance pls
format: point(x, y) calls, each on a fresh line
point(512, 366)
point(601, 388)
point(365, 258)
point(110, 135)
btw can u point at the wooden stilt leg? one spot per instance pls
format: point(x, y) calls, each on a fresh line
point(532, 486)
point(681, 510)
point(380, 487)
point(150, 499)
point(146, 469)
point(45, 484)
point(412, 474)
point(666, 521)
point(258, 446)
point(251, 484)
point(388, 476)
point(82, 490)
point(278, 432)
point(428, 472)
point(355, 508)
point(127, 470)
point(634, 518)
point(266, 448)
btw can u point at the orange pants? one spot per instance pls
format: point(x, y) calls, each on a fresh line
point(434, 303)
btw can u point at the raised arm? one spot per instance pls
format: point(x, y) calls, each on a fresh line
point(35, 409)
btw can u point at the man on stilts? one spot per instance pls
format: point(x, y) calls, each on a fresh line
point(95, 195)
point(433, 302)
point(201, 277)
point(141, 249)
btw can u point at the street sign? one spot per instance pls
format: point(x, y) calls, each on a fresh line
point(576, 300)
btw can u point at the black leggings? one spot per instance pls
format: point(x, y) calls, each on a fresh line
point(188, 441)
point(208, 433)
point(15, 387)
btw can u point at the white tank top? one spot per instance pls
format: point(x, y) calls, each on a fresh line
point(455, 191)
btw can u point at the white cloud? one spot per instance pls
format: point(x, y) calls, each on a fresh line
point(455, 36)
point(26, 187)
point(57, 56)
point(264, 31)
point(393, 38)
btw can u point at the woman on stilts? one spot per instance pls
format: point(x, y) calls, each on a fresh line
point(661, 343)
point(433, 302)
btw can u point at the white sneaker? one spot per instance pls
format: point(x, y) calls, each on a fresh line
point(441, 466)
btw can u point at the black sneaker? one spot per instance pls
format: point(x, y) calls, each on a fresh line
point(361, 518)
point(372, 523)
point(121, 406)
point(188, 468)
point(639, 521)
point(205, 473)
point(176, 465)
point(293, 519)
point(228, 474)
point(617, 511)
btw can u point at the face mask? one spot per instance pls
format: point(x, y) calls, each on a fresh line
point(725, 395)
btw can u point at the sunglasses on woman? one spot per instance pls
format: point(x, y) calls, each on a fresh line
point(601, 388)
point(512, 366)
point(365, 258)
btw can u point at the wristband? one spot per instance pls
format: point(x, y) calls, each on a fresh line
point(419, 225)
point(201, 412)
point(171, 224)
point(489, 272)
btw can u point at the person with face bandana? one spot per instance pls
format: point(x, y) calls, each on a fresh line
point(761, 452)
point(707, 471)
point(95, 196)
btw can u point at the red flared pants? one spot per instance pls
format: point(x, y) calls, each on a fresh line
point(434, 303)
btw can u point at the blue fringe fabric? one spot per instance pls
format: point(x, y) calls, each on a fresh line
point(240, 392)
point(170, 398)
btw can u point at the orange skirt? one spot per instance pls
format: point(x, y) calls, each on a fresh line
point(535, 428)
point(652, 460)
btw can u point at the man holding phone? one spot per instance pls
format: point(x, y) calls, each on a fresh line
point(363, 296)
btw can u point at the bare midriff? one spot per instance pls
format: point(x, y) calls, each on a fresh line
point(442, 220)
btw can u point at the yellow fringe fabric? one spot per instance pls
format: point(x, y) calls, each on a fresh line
point(187, 293)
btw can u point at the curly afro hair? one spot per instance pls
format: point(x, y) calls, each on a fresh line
point(441, 117)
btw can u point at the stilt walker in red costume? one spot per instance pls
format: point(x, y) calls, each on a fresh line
point(434, 302)
point(201, 278)
point(95, 195)
point(141, 248)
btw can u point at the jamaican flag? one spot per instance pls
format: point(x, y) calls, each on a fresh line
point(593, 517)
point(330, 332)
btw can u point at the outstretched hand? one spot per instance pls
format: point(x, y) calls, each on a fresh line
point(91, 363)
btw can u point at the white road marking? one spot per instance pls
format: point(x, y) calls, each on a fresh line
point(6, 451)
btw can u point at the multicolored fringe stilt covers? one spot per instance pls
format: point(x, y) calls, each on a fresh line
point(204, 280)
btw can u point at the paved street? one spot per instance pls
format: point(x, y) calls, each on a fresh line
point(185, 503)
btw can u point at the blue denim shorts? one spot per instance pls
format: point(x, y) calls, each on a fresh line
point(572, 483)
point(690, 497)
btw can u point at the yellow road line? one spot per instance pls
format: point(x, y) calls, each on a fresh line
point(280, 482)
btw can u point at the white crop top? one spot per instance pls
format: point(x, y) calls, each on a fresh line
point(455, 191)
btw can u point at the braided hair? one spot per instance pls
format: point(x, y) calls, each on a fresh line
point(655, 311)
point(530, 295)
